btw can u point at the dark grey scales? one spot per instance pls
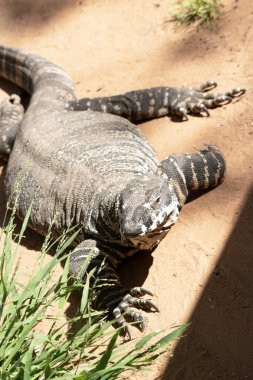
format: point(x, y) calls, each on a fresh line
point(83, 162)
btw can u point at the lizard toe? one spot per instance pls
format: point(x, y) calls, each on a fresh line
point(124, 314)
point(181, 111)
point(236, 92)
point(140, 303)
point(139, 291)
point(199, 109)
point(206, 86)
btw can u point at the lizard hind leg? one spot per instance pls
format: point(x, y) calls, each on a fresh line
point(11, 116)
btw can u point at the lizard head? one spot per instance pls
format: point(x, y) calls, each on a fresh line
point(148, 208)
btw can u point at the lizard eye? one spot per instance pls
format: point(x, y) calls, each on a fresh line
point(157, 199)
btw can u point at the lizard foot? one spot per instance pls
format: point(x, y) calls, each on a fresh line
point(121, 304)
point(124, 311)
point(198, 101)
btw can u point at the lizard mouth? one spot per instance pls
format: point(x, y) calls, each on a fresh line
point(151, 238)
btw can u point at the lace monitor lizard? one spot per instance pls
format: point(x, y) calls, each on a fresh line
point(83, 162)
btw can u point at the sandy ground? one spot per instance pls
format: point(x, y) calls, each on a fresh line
point(203, 270)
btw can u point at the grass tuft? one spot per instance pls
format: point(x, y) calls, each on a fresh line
point(90, 353)
point(204, 11)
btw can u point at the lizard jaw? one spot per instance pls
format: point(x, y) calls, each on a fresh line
point(149, 239)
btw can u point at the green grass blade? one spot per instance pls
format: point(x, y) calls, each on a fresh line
point(21, 339)
point(63, 283)
point(146, 339)
point(28, 363)
point(170, 337)
point(24, 224)
point(85, 295)
point(107, 355)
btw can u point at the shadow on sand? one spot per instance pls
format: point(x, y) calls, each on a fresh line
point(219, 344)
point(35, 14)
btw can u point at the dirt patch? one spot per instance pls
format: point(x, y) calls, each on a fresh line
point(202, 271)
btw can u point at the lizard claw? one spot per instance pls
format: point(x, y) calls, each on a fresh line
point(127, 331)
point(199, 109)
point(204, 110)
point(181, 111)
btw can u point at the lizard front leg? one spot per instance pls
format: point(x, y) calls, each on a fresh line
point(11, 116)
point(159, 101)
point(108, 293)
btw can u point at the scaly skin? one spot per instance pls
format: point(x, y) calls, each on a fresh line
point(83, 162)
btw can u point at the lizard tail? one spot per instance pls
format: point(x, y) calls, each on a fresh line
point(30, 71)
